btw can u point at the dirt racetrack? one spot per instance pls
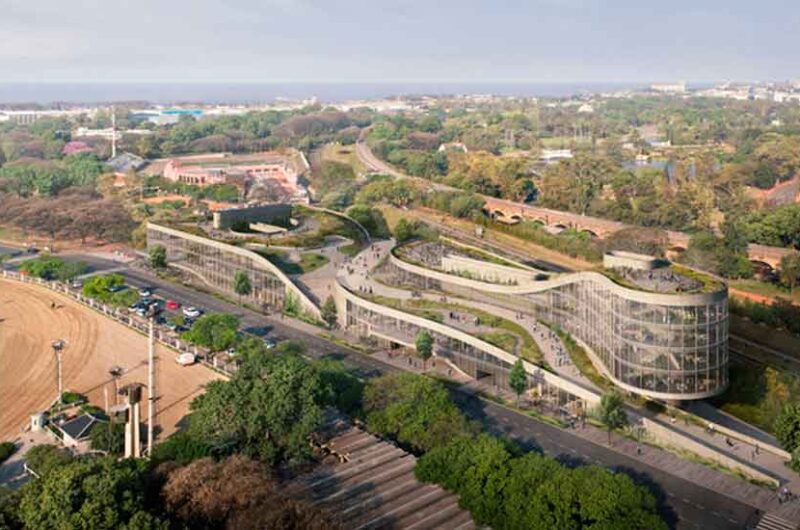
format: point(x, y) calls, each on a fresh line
point(95, 343)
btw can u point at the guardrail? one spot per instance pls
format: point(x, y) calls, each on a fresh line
point(203, 355)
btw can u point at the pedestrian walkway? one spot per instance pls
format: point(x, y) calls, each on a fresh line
point(731, 486)
point(358, 276)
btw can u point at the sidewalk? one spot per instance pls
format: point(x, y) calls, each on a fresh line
point(731, 486)
point(554, 352)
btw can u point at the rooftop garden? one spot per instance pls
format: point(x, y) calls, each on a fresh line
point(683, 281)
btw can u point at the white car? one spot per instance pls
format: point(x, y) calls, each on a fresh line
point(269, 344)
point(191, 312)
point(144, 292)
point(185, 359)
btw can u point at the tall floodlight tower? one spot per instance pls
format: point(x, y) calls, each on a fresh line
point(151, 376)
point(58, 348)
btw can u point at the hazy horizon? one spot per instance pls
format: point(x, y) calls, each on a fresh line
point(409, 41)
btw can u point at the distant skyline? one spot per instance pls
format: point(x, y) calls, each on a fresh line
point(400, 41)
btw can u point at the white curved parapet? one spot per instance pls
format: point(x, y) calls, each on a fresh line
point(217, 263)
point(671, 346)
point(504, 359)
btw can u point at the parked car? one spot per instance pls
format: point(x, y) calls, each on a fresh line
point(191, 312)
point(145, 292)
point(134, 307)
point(269, 343)
point(117, 288)
point(185, 359)
point(76, 284)
point(172, 305)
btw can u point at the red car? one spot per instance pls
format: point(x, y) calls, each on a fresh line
point(173, 305)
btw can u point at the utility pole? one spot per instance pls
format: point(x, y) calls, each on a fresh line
point(151, 378)
point(58, 348)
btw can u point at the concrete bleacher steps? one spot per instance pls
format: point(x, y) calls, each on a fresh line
point(774, 522)
point(374, 488)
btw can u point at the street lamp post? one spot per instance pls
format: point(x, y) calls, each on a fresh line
point(58, 348)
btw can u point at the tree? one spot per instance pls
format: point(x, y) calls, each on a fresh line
point(44, 458)
point(241, 285)
point(424, 345)
point(414, 410)
point(405, 230)
point(787, 427)
point(507, 489)
point(790, 270)
point(266, 411)
point(108, 437)
point(101, 494)
point(518, 379)
point(329, 312)
point(215, 331)
point(158, 256)
point(9, 508)
point(611, 412)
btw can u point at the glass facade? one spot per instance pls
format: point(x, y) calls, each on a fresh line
point(665, 346)
point(664, 350)
point(470, 359)
point(217, 266)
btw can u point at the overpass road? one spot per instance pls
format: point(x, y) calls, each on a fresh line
point(684, 504)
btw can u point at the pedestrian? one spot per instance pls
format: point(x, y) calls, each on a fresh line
point(638, 449)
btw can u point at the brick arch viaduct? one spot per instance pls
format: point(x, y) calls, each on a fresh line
point(602, 228)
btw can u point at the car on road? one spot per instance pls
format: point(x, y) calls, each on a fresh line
point(117, 288)
point(145, 292)
point(191, 312)
point(172, 305)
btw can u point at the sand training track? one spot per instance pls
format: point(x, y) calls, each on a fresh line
point(28, 325)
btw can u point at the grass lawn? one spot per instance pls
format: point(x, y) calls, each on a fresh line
point(309, 261)
point(581, 360)
point(529, 350)
point(757, 393)
point(346, 154)
point(502, 339)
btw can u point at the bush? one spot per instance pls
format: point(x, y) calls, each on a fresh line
point(6, 450)
point(180, 448)
point(45, 267)
point(215, 331)
point(72, 398)
point(371, 219)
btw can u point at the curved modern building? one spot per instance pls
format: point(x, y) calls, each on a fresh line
point(665, 337)
point(216, 265)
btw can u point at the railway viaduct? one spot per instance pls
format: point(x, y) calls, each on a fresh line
point(510, 211)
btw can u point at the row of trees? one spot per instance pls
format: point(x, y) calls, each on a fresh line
point(233, 493)
point(80, 215)
point(501, 485)
point(26, 178)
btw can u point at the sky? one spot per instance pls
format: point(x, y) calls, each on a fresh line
point(398, 40)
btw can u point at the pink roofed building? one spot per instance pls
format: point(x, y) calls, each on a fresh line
point(75, 147)
point(247, 174)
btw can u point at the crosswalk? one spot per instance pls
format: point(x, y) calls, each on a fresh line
point(774, 522)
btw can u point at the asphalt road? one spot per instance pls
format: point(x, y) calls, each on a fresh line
point(682, 503)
